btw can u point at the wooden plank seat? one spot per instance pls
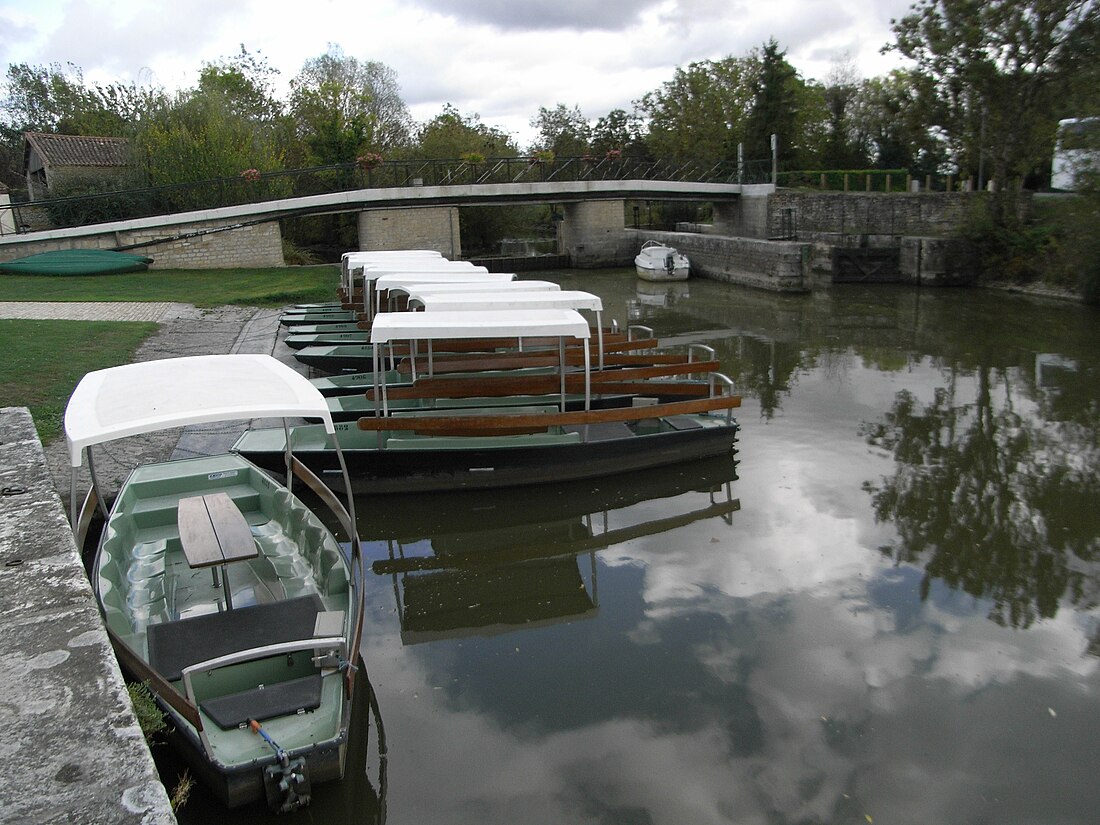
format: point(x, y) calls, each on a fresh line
point(265, 702)
point(179, 644)
point(490, 423)
point(214, 531)
point(627, 379)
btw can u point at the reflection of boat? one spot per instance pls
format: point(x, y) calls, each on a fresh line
point(659, 262)
point(249, 658)
point(526, 574)
point(415, 515)
point(1053, 370)
point(471, 585)
point(655, 295)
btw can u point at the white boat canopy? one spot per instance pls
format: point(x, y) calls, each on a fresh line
point(405, 326)
point(497, 323)
point(563, 299)
point(372, 272)
point(402, 281)
point(382, 254)
point(415, 293)
point(144, 397)
point(350, 261)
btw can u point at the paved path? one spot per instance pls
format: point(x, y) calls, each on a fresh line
point(88, 310)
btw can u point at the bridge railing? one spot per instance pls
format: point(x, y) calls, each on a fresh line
point(252, 186)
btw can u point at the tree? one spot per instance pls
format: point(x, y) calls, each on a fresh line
point(998, 72)
point(846, 141)
point(342, 107)
point(890, 114)
point(197, 136)
point(244, 82)
point(700, 112)
point(619, 131)
point(562, 130)
point(451, 135)
point(774, 110)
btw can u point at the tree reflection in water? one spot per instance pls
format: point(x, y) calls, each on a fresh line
point(996, 501)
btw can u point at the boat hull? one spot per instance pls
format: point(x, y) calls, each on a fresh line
point(375, 469)
point(658, 262)
point(647, 273)
point(77, 262)
point(164, 616)
point(244, 785)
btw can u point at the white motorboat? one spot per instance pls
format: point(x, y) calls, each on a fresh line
point(660, 262)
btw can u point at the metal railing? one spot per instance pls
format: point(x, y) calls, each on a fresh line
point(252, 187)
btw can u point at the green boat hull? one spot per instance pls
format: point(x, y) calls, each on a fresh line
point(77, 262)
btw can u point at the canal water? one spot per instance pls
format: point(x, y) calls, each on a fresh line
point(884, 609)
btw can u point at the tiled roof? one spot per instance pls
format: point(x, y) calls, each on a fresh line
point(78, 150)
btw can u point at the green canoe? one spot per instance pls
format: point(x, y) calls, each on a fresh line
point(76, 262)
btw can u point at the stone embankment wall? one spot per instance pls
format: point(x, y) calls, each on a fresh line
point(851, 218)
point(180, 246)
point(778, 266)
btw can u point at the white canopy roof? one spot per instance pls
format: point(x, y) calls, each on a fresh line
point(397, 326)
point(175, 392)
point(417, 292)
point(563, 299)
point(369, 273)
point(404, 280)
point(373, 271)
point(376, 254)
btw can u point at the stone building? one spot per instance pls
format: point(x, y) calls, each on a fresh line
point(54, 164)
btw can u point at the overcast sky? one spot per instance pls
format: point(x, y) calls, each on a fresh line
point(499, 59)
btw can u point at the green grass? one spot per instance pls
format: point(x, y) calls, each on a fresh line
point(44, 360)
point(203, 288)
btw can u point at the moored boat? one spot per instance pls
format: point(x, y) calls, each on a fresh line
point(660, 262)
point(77, 262)
point(219, 588)
point(486, 447)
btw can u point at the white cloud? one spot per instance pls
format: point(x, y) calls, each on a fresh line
point(501, 60)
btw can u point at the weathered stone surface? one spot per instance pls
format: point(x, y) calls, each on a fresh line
point(414, 228)
point(71, 745)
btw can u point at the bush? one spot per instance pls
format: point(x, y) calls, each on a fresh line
point(1011, 247)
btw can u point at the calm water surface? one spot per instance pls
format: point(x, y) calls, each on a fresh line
point(886, 609)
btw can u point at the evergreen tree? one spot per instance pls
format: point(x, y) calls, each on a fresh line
point(774, 109)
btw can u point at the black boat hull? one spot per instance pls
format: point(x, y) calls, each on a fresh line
point(400, 471)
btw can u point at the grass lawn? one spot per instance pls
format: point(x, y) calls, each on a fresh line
point(44, 360)
point(201, 287)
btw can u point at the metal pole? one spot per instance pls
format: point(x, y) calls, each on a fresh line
point(775, 159)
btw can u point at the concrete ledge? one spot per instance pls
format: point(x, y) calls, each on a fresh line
point(71, 746)
point(777, 266)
